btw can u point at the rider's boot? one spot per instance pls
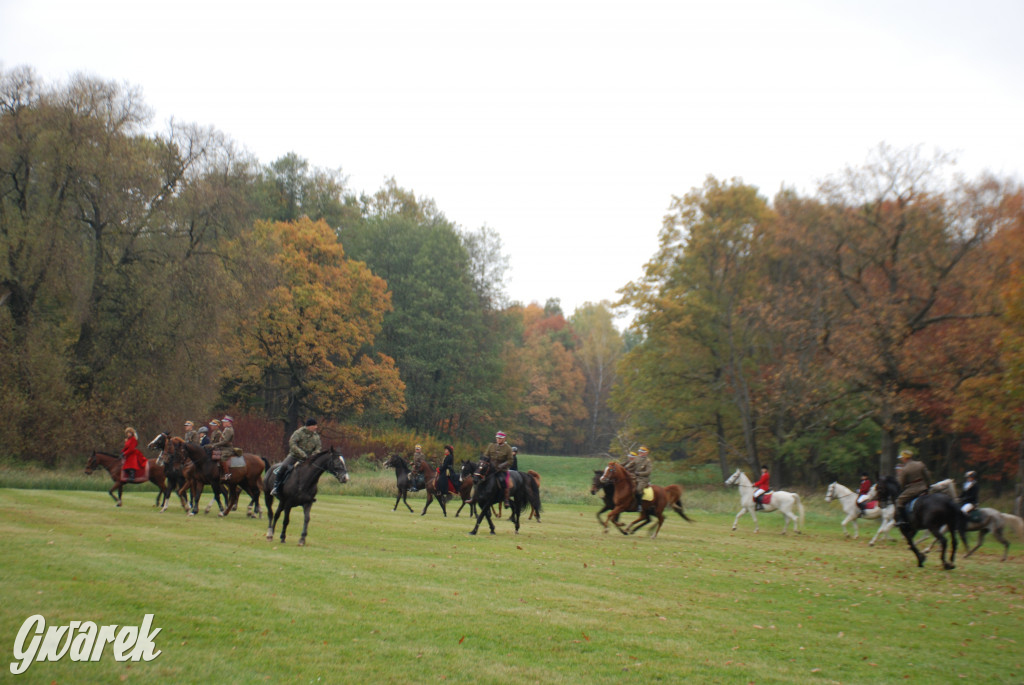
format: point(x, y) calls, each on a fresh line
point(129, 474)
point(282, 476)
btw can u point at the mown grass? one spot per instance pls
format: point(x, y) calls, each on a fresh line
point(382, 596)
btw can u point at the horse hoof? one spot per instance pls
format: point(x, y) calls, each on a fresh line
point(302, 543)
point(270, 538)
point(472, 532)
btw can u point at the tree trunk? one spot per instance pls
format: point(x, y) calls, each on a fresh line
point(722, 456)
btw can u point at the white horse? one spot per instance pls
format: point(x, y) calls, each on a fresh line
point(781, 500)
point(992, 521)
point(848, 500)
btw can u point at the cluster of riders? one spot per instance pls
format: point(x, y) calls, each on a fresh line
point(500, 460)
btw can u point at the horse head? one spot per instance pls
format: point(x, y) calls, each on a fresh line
point(734, 479)
point(336, 466)
point(483, 469)
point(467, 469)
point(393, 461)
point(92, 464)
point(159, 442)
point(596, 484)
point(831, 494)
point(610, 472)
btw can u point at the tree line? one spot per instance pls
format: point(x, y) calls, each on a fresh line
point(147, 277)
point(151, 277)
point(821, 334)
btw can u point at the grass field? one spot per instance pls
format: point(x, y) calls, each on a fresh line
point(383, 596)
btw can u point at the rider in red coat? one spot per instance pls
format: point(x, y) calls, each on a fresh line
point(133, 459)
point(761, 486)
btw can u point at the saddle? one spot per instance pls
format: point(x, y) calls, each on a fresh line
point(873, 504)
point(975, 516)
point(765, 498)
point(140, 476)
point(648, 495)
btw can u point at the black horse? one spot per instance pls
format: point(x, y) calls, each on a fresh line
point(402, 477)
point(607, 491)
point(300, 489)
point(928, 512)
point(490, 490)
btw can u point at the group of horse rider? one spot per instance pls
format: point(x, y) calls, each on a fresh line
point(217, 438)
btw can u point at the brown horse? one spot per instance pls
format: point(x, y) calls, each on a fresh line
point(625, 499)
point(466, 487)
point(113, 465)
point(429, 473)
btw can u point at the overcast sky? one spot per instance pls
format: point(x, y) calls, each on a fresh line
point(566, 126)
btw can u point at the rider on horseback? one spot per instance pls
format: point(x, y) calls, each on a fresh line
point(500, 455)
point(969, 494)
point(862, 492)
point(639, 465)
point(223, 448)
point(304, 443)
point(760, 487)
point(913, 479)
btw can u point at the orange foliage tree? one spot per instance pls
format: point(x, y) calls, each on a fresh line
point(307, 316)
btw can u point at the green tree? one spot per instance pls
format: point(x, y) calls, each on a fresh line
point(599, 348)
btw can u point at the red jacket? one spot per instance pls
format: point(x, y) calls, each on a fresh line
point(133, 458)
point(762, 482)
point(865, 487)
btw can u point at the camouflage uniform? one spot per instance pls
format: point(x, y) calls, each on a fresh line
point(640, 467)
point(304, 443)
point(500, 456)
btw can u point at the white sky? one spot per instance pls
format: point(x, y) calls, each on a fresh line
point(566, 126)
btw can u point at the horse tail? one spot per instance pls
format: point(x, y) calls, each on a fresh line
point(266, 464)
point(1016, 522)
point(533, 492)
point(800, 508)
point(676, 494)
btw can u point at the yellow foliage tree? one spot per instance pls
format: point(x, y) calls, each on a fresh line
point(308, 316)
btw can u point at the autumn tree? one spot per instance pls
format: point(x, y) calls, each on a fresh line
point(598, 349)
point(106, 236)
point(687, 388)
point(543, 384)
point(308, 318)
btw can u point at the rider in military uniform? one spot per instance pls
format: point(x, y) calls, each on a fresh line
point(304, 443)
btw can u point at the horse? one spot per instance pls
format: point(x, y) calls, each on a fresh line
point(429, 474)
point(929, 511)
point(401, 468)
point(987, 521)
point(624, 497)
point(848, 500)
point(607, 494)
point(113, 466)
point(173, 469)
point(490, 490)
point(300, 489)
point(780, 500)
point(466, 487)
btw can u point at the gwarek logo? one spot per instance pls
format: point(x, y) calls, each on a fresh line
point(82, 641)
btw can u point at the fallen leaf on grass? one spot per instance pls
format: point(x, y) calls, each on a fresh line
point(461, 639)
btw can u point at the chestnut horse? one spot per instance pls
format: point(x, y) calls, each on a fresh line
point(625, 499)
point(429, 474)
point(113, 465)
point(466, 487)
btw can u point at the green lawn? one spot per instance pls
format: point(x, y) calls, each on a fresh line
point(382, 596)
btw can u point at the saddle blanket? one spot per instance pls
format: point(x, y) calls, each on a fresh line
point(873, 504)
point(648, 495)
point(766, 498)
point(236, 462)
point(975, 516)
point(140, 476)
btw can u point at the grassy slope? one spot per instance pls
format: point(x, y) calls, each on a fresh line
point(382, 596)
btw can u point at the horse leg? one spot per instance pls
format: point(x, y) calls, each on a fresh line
point(405, 501)
point(741, 512)
point(981, 539)
point(430, 498)
point(440, 502)
point(117, 499)
point(948, 565)
point(908, 534)
point(271, 519)
point(305, 523)
point(661, 520)
point(284, 524)
point(232, 499)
